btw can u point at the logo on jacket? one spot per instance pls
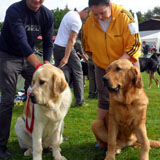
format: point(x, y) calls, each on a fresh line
point(33, 28)
point(117, 35)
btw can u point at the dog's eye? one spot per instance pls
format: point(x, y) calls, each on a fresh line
point(41, 82)
point(118, 69)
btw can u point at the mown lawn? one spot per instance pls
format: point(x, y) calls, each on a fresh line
point(80, 140)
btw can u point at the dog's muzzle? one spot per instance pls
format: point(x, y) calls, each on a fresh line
point(109, 86)
point(33, 98)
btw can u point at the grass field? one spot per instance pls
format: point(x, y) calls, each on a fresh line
point(81, 142)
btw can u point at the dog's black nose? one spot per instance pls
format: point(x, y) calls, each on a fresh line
point(33, 99)
point(106, 81)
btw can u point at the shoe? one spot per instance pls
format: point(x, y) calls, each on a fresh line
point(79, 104)
point(100, 148)
point(91, 96)
point(5, 154)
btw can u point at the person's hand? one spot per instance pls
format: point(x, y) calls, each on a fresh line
point(89, 53)
point(46, 62)
point(125, 56)
point(63, 62)
point(79, 54)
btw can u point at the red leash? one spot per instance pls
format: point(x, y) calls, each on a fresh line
point(29, 129)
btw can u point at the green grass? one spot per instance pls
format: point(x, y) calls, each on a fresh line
point(81, 141)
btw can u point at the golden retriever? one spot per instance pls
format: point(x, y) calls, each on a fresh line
point(127, 112)
point(52, 98)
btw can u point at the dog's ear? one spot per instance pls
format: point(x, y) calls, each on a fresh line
point(63, 84)
point(59, 84)
point(136, 77)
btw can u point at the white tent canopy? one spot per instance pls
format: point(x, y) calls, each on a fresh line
point(153, 39)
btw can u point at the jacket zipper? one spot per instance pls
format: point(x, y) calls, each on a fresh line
point(106, 46)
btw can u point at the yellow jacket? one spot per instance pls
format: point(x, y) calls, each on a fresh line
point(110, 46)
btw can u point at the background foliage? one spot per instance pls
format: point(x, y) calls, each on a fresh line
point(58, 15)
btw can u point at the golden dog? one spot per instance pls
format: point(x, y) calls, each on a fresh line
point(127, 112)
point(52, 98)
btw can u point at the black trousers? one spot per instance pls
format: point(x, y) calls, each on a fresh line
point(91, 76)
point(10, 68)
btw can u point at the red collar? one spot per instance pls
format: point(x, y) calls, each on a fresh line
point(40, 64)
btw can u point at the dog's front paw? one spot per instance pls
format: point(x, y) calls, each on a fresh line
point(118, 151)
point(28, 152)
point(61, 158)
point(37, 158)
point(109, 158)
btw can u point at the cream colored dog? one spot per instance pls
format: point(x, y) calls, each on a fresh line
point(52, 98)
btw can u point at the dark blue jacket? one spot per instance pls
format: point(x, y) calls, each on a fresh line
point(146, 49)
point(21, 28)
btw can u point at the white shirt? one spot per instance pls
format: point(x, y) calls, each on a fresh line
point(70, 22)
point(105, 24)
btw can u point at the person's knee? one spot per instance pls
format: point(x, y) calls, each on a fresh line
point(102, 113)
point(97, 124)
point(100, 131)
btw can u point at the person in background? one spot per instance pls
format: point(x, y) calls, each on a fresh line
point(145, 49)
point(151, 50)
point(154, 54)
point(83, 57)
point(65, 54)
point(152, 46)
point(24, 22)
point(109, 34)
point(88, 68)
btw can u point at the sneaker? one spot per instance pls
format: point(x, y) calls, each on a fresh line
point(91, 96)
point(100, 148)
point(5, 154)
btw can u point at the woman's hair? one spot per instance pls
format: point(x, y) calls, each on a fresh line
point(98, 2)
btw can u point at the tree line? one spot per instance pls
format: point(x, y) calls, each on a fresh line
point(59, 13)
point(150, 14)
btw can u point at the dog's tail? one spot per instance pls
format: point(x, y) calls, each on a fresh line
point(154, 143)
